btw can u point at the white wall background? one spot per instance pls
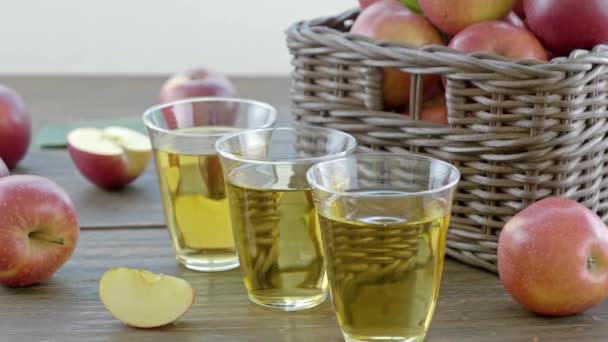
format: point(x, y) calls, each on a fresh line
point(238, 37)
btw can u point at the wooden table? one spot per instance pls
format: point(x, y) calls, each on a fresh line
point(126, 228)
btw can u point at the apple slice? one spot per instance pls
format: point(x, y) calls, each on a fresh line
point(110, 158)
point(144, 299)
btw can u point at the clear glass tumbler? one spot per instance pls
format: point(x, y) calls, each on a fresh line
point(384, 220)
point(183, 135)
point(274, 219)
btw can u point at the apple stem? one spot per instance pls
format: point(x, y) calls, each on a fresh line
point(44, 237)
point(591, 264)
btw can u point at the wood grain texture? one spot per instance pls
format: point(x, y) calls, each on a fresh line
point(472, 305)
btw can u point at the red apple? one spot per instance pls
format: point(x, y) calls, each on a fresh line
point(110, 158)
point(15, 127)
point(389, 20)
point(197, 82)
point(3, 169)
point(452, 16)
point(206, 112)
point(519, 9)
point(564, 25)
point(515, 43)
point(500, 38)
point(436, 114)
point(38, 229)
point(434, 110)
point(553, 257)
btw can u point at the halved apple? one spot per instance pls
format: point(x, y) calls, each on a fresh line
point(110, 158)
point(144, 299)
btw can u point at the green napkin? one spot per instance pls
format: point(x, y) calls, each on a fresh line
point(56, 135)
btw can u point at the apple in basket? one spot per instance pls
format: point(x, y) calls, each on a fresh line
point(38, 229)
point(553, 257)
point(452, 16)
point(389, 20)
point(563, 26)
point(513, 42)
point(15, 127)
point(434, 110)
point(519, 9)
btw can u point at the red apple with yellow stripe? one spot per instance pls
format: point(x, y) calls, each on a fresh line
point(38, 229)
point(566, 25)
point(452, 16)
point(389, 20)
point(500, 38)
point(553, 257)
point(15, 127)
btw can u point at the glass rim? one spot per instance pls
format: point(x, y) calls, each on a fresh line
point(148, 113)
point(411, 156)
point(351, 140)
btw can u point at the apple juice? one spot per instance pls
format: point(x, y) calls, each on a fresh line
point(196, 209)
point(384, 272)
point(279, 242)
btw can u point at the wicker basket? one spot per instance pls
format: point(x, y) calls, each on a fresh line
point(518, 132)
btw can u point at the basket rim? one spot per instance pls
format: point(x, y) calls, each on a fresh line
point(577, 59)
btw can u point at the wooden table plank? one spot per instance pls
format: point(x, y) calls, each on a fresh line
point(136, 205)
point(472, 305)
point(57, 99)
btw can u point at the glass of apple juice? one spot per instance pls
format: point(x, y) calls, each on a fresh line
point(273, 215)
point(384, 220)
point(183, 134)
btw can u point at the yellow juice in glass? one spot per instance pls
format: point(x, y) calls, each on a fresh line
point(279, 241)
point(196, 207)
point(385, 270)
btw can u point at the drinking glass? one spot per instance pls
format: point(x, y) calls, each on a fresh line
point(183, 135)
point(384, 219)
point(274, 219)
